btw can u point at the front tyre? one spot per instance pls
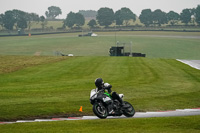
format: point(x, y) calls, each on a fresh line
point(100, 111)
point(129, 111)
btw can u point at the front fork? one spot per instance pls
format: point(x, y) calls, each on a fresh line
point(110, 107)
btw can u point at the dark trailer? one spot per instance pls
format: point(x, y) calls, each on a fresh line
point(124, 49)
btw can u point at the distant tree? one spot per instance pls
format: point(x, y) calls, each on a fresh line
point(173, 17)
point(127, 15)
point(14, 17)
point(1, 20)
point(74, 19)
point(159, 17)
point(124, 15)
point(105, 16)
point(192, 11)
point(18, 18)
point(53, 12)
point(31, 18)
point(146, 17)
point(42, 18)
point(21, 18)
point(186, 16)
point(92, 23)
point(118, 18)
point(22, 23)
point(43, 22)
point(88, 13)
point(79, 19)
point(70, 20)
point(197, 14)
point(9, 20)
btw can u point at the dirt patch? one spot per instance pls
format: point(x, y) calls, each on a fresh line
point(63, 115)
point(13, 63)
point(37, 53)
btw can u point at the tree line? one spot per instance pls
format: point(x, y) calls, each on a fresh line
point(20, 19)
point(104, 17)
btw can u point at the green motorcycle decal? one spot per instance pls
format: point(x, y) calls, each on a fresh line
point(106, 93)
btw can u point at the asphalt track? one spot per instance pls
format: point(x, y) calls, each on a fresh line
point(171, 113)
point(193, 63)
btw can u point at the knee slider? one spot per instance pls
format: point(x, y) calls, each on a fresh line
point(114, 95)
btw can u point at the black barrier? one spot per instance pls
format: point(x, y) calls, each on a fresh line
point(116, 51)
point(102, 30)
point(119, 51)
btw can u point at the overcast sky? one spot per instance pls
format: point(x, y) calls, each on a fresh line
point(40, 6)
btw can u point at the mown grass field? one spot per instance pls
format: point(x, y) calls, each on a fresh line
point(60, 88)
point(50, 86)
point(182, 45)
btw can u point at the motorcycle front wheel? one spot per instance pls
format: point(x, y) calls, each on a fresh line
point(129, 111)
point(100, 111)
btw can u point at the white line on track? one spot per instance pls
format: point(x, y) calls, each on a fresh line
point(162, 36)
point(193, 63)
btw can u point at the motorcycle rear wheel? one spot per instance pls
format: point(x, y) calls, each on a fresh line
point(100, 111)
point(130, 111)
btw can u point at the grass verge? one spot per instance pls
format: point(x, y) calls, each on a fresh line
point(144, 125)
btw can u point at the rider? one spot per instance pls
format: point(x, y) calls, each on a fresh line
point(101, 85)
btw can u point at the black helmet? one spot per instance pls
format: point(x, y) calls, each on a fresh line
point(99, 83)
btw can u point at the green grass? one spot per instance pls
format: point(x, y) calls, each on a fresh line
point(135, 125)
point(153, 44)
point(60, 88)
point(53, 86)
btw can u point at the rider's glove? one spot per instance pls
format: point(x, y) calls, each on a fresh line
point(108, 87)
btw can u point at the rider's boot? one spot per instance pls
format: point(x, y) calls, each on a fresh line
point(124, 106)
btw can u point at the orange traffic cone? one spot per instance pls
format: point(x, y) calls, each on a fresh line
point(81, 109)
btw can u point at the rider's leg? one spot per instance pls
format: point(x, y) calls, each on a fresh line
point(116, 96)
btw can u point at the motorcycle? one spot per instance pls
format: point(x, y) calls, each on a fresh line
point(104, 105)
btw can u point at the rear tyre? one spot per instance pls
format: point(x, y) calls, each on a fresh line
point(100, 111)
point(129, 111)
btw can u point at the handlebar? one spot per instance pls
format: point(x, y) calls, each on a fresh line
point(102, 90)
